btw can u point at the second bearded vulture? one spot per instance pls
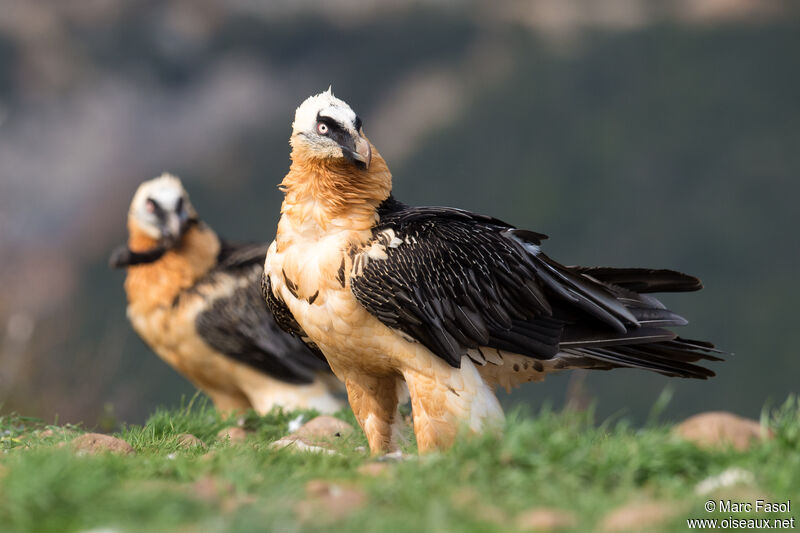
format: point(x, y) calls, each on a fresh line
point(195, 299)
point(450, 302)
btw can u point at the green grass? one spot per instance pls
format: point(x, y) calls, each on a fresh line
point(558, 460)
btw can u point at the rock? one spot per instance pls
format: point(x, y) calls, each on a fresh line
point(93, 443)
point(234, 434)
point(638, 516)
point(323, 428)
point(465, 497)
point(719, 429)
point(210, 489)
point(472, 501)
point(318, 487)
point(327, 501)
point(187, 440)
point(490, 513)
point(208, 456)
point(233, 503)
point(294, 442)
point(53, 435)
point(373, 469)
point(545, 519)
point(316, 435)
point(393, 457)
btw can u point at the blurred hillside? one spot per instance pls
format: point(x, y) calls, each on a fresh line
point(634, 133)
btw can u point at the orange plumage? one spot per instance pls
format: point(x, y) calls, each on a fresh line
point(196, 302)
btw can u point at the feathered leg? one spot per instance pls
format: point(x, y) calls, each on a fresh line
point(229, 403)
point(446, 399)
point(374, 402)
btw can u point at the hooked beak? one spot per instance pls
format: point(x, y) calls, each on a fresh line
point(361, 154)
point(173, 228)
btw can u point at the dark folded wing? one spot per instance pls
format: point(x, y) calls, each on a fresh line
point(456, 281)
point(233, 255)
point(284, 317)
point(241, 326)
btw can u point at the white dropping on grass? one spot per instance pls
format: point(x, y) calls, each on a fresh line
point(296, 423)
point(728, 478)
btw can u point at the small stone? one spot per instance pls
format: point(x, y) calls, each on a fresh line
point(545, 519)
point(465, 497)
point(93, 443)
point(373, 469)
point(233, 503)
point(717, 429)
point(392, 457)
point(210, 489)
point(638, 516)
point(328, 501)
point(296, 443)
point(323, 428)
point(315, 435)
point(56, 435)
point(472, 501)
point(187, 440)
point(234, 434)
point(490, 513)
point(317, 487)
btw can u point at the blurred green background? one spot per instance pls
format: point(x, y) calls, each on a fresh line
point(634, 133)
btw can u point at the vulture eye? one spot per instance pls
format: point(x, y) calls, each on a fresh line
point(150, 206)
point(322, 128)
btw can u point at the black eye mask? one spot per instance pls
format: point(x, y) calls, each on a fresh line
point(123, 257)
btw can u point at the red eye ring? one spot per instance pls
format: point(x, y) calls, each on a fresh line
point(322, 128)
point(150, 206)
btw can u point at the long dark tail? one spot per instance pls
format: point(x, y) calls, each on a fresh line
point(651, 346)
point(672, 358)
point(643, 280)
